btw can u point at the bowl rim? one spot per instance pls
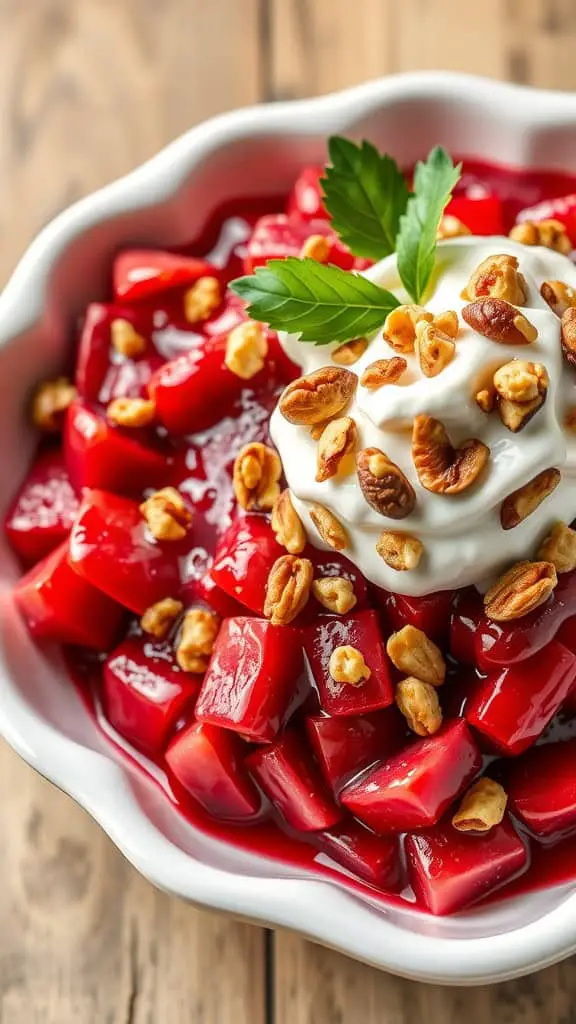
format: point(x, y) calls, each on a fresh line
point(97, 783)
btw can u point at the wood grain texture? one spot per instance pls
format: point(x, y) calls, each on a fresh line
point(88, 89)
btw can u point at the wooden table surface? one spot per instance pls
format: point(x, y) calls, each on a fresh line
point(88, 89)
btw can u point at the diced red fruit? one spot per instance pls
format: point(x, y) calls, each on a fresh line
point(291, 779)
point(276, 236)
point(44, 509)
point(482, 215)
point(562, 208)
point(140, 273)
point(345, 746)
point(252, 681)
point(306, 197)
point(541, 788)
point(413, 788)
point(61, 606)
point(101, 455)
point(196, 389)
point(430, 613)
point(449, 870)
point(207, 764)
point(112, 549)
point(511, 707)
point(243, 560)
point(375, 859)
point(101, 374)
point(477, 640)
point(145, 693)
point(362, 631)
point(205, 590)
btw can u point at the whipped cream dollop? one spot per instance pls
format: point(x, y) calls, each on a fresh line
point(464, 542)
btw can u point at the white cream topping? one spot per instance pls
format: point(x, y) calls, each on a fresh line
point(464, 542)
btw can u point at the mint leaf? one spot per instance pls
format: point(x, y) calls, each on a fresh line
point(434, 181)
point(365, 194)
point(319, 301)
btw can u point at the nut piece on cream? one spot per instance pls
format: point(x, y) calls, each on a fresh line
point(443, 453)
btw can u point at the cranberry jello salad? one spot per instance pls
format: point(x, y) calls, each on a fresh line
point(302, 524)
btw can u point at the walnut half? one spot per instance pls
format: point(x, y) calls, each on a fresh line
point(523, 502)
point(520, 590)
point(411, 651)
point(383, 484)
point(441, 468)
point(482, 807)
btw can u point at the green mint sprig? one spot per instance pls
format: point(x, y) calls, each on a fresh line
point(320, 302)
point(365, 194)
point(434, 181)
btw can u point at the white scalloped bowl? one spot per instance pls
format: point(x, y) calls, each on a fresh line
point(166, 202)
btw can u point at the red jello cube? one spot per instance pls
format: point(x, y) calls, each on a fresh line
point(252, 681)
point(44, 509)
point(306, 198)
point(362, 632)
point(112, 549)
point(207, 764)
point(145, 693)
point(430, 613)
point(413, 788)
point(290, 778)
point(196, 389)
point(375, 859)
point(512, 707)
point(276, 236)
point(562, 208)
point(541, 788)
point(477, 640)
point(101, 374)
point(449, 870)
point(59, 605)
point(140, 273)
point(243, 560)
point(345, 746)
point(482, 215)
point(101, 455)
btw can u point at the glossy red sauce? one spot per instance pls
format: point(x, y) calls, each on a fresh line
point(202, 470)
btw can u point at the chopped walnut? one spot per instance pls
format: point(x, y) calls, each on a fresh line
point(319, 396)
point(337, 440)
point(167, 515)
point(486, 399)
point(316, 247)
point(329, 527)
point(441, 468)
point(347, 665)
point(158, 620)
point(350, 352)
point(400, 326)
point(451, 227)
point(568, 336)
point(287, 525)
point(411, 651)
point(131, 412)
point(334, 593)
point(400, 551)
point(516, 415)
point(447, 322)
point(287, 589)
point(521, 381)
point(199, 631)
point(383, 371)
point(482, 807)
point(559, 548)
point(257, 470)
point(383, 484)
point(125, 339)
point(434, 348)
point(517, 506)
point(559, 296)
point(498, 277)
point(550, 233)
point(246, 349)
point(520, 590)
point(418, 702)
point(50, 401)
point(202, 299)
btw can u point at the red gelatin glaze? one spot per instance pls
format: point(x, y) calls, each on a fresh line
point(44, 509)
